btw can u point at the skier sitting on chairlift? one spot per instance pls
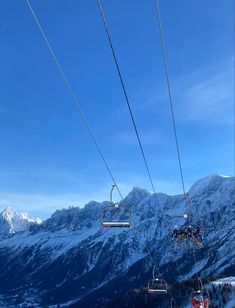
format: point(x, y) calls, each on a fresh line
point(189, 231)
point(186, 232)
point(182, 232)
point(198, 234)
point(200, 302)
point(175, 233)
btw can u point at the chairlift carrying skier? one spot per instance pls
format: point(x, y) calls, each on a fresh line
point(200, 299)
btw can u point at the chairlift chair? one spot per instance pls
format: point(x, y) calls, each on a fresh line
point(157, 286)
point(195, 222)
point(200, 299)
point(115, 215)
point(181, 233)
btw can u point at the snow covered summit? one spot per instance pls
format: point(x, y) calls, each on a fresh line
point(12, 222)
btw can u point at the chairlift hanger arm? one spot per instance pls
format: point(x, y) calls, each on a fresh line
point(189, 214)
point(201, 285)
point(113, 204)
point(190, 204)
point(111, 193)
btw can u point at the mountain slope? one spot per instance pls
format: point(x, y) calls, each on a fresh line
point(69, 260)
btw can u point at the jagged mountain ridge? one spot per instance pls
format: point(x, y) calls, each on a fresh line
point(12, 222)
point(70, 260)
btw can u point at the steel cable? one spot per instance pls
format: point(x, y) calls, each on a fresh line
point(170, 93)
point(72, 94)
point(125, 94)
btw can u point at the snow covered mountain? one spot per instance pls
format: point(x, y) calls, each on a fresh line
point(12, 222)
point(69, 260)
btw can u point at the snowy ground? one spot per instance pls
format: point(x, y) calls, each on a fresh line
point(230, 280)
point(231, 303)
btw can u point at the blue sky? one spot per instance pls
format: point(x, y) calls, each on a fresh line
point(48, 161)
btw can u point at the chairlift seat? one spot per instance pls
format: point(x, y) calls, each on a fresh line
point(157, 286)
point(116, 216)
point(116, 224)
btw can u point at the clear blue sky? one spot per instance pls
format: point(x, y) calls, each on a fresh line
point(48, 161)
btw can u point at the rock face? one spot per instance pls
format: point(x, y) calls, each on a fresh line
point(12, 222)
point(69, 260)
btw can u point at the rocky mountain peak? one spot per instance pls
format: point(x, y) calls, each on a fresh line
point(12, 222)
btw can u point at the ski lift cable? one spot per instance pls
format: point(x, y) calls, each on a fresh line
point(163, 47)
point(159, 273)
point(200, 286)
point(154, 262)
point(126, 95)
point(155, 265)
point(72, 94)
point(67, 83)
point(131, 114)
point(185, 290)
point(164, 53)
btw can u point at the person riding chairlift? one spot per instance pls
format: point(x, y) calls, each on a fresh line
point(198, 234)
point(182, 232)
point(175, 233)
point(186, 232)
point(200, 302)
point(189, 231)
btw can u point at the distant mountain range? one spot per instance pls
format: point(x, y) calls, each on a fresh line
point(68, 260)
